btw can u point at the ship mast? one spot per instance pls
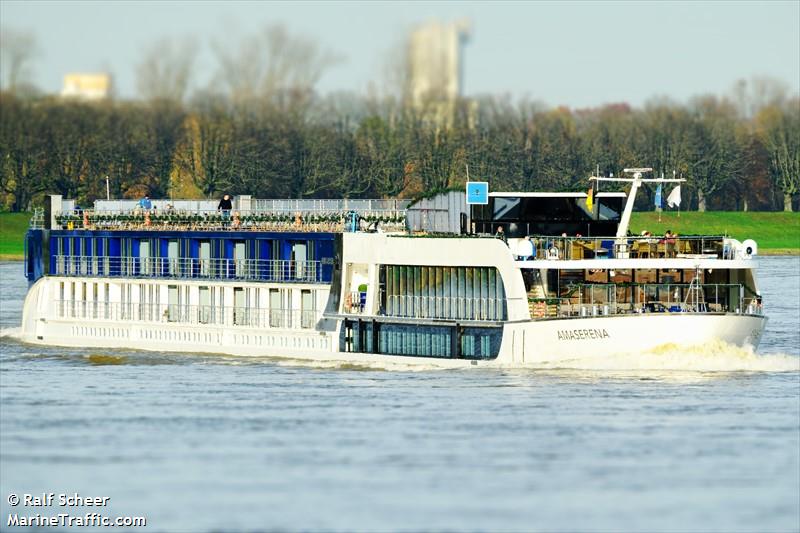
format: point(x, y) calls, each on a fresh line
point(636, 181)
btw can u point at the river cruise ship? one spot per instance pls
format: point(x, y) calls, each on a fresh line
point(521, 280)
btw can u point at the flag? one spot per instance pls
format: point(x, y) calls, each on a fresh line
point(674, 197)
point(590, 200)
point(658, 196)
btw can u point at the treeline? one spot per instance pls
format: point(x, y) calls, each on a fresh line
point(299, 145)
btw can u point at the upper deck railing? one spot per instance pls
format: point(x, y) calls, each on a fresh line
point(266, 270)
point(246, 214)
point(577, 248)
point(256, 205)
point(175, 220)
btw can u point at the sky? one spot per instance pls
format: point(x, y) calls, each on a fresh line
point(576, 54)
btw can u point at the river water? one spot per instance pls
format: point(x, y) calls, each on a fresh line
point(700, 440)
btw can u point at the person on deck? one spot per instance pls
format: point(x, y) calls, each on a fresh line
point(500, 234)
point(526, 250)
point(145, 202)
point(225, 206)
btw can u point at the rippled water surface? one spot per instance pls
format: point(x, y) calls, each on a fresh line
point(700, 440)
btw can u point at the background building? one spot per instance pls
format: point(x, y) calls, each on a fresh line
point(435, 61)
point(87, 86)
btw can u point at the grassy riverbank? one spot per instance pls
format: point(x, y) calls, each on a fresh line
point(775, 233)
point(12, 232)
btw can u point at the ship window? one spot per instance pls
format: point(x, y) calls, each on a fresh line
point(480, 343)
point(106, 301)
point(420, 341)
point(240, 310)
point(307, 308)
point(173, 303)
point(621, 276)
point(645, 275)
point(470, 293)
point(596, 275)
point(506, 208)
point(204, 306)
point(61, 300)
point(610, 208)
point(143, 307)
point(689, 275)
point(669, 275)
point(275, 315)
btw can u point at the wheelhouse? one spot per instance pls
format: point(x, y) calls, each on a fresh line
point(521, 214)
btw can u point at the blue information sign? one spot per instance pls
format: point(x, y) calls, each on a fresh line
point(477, 192)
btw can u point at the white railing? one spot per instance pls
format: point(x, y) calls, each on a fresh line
point(187, 314)
point(190, 268)
point(602, 299)
point(37, 219)
point(576, 248)
point(310, 206)
point(256, 205)
point(204, 220)
point(459, 308)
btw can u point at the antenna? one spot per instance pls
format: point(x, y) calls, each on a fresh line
point(637, 172)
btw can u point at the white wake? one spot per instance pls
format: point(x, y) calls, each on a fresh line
point(11, 333)
point(716, 356)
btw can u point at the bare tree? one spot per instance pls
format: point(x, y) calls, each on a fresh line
point(17, 50)
point(271, 64)
point(752, 95)
point(165, 72)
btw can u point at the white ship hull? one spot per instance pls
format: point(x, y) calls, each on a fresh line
point(524, 344)
point(549, 341)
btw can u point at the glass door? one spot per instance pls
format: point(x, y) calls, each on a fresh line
point(240, 259)
point(205, 258)
point(144, 257)
point(172, 255)
point(299, 257)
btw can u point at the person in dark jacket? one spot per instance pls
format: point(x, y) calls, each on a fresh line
point(225, 206)
point(501, 234)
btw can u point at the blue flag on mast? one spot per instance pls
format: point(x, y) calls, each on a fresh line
point(658, 197)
